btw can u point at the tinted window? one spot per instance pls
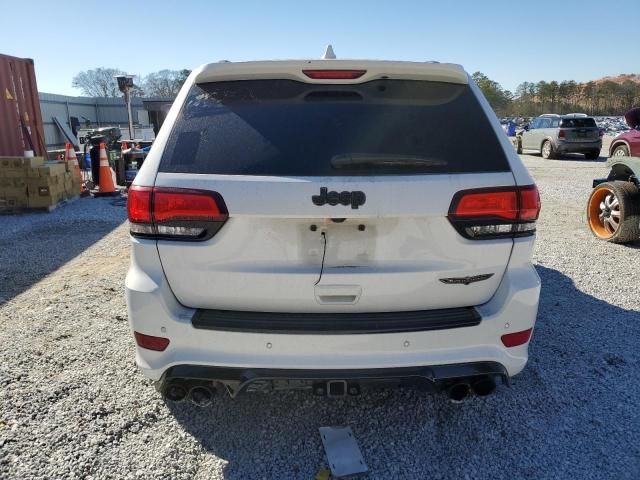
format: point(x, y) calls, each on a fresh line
point(578, 122)
point(285, 127)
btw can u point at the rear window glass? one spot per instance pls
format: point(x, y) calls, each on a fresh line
point(290, 128)
point(578, 122)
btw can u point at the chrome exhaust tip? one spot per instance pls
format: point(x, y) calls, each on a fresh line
point(201, 396)
point(175, 392)
point(483, 386)
point(458, 392)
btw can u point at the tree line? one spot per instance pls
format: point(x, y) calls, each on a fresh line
point(568, 96)
point(99, 82)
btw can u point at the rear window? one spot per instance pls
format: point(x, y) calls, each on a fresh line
point(578, 123)
point(290, 128)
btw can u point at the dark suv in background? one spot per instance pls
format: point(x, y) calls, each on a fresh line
point(555, 135)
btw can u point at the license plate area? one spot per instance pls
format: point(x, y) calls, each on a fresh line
point(350, 243)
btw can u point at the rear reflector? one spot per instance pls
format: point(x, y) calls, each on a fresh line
point(159, 344)
point(334, 74)
point(495, 212)
point(516, 339)
point(175, 213)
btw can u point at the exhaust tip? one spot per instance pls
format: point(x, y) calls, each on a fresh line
point(201, 396)
point(175, 393)
point(458, 392)
point(483, 386)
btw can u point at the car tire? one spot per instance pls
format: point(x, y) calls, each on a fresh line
point(547, 151)
point(594, 155)
point(610, 201)
point(620, 151)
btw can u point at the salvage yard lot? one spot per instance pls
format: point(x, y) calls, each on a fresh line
point(72, 404)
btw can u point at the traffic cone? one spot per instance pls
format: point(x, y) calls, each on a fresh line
point(106, 186)
point(72, 159)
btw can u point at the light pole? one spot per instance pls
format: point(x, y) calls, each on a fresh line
point(125, 83)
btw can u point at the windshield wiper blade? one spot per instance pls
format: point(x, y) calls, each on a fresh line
point(384, 160)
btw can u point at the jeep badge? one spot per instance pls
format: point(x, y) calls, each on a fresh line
point(355, 199)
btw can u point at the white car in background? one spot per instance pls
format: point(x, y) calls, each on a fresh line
point(320, 224)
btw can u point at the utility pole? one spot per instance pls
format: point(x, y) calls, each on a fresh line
point(125, 83)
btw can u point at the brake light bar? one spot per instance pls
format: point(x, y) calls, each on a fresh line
point(175, 213)
point(334, 74)
point(499, 212)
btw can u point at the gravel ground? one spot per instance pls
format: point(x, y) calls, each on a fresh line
point(72, 404)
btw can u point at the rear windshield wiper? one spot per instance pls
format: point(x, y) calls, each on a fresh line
point(384, 160)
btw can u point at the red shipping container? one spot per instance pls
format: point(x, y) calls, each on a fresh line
point(20, 116)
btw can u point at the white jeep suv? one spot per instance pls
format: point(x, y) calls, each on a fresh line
point(327, 224)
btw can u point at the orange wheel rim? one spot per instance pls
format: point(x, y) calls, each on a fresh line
point(604, 213)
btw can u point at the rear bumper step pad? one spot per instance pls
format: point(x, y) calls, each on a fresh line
point(335, 323)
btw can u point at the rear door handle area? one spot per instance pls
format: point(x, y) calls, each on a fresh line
point(338, 294)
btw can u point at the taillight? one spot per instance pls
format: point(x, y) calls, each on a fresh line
point(175, 213)
point(517, 338)
point(159, 344)
point(334, 74)
point(501, 212)
point(561, 134)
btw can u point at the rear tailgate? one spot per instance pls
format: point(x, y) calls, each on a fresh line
point(267, 257)
point(337, 195)
point(580, 129)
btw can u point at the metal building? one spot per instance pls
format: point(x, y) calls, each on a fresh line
point(87, 112)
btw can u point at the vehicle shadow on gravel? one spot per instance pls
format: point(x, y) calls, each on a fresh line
point(34, 245)
point(571, 414)
point(580, 158)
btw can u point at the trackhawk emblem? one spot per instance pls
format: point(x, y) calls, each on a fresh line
point(355, 199)
point(466, 280)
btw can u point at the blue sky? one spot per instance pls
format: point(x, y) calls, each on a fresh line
point(511, 42)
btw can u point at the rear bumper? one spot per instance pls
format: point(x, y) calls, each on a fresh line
point(239, 380)
point(578, 147)
point(153, 310)
point(335, 323)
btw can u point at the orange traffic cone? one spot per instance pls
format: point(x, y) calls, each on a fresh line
point(72, 159)
point(106, 175)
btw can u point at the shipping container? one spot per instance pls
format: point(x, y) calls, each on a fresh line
point(20, 116)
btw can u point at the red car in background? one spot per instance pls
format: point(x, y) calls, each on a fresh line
point(627, 144)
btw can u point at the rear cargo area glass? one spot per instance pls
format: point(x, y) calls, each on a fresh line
point(290, 128)
point(578, 123)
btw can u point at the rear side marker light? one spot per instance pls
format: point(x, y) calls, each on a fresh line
point(516, 339)
point(334, 74)
point(501, 212)
point(175, 213)
point(158, 344)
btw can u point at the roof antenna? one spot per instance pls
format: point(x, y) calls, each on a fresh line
point(329, 54)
